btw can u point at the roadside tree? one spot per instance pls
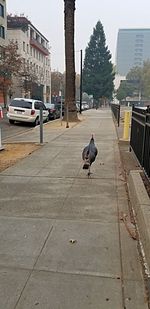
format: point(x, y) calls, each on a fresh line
point(126, 89)
point(137, 83)
point(10, 65)
point(98, 73)
point(57, 84)
point(70, 102)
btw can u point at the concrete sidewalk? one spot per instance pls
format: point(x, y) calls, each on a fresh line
point(62, 242)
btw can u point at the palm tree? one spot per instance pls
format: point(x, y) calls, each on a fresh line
point(70, 103)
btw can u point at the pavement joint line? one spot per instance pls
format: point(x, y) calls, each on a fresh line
point(15, 306)
point(31, 271)
point(96, 221)
point(76, 273)
point(81, 273)
point(65, 177)
point(23, 288)
point(48, 235)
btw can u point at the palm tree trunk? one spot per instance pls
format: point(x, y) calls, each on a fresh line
point(70, 102)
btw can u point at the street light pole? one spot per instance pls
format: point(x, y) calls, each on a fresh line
point(80, 81)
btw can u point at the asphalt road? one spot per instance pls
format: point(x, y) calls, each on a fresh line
point(9, 130)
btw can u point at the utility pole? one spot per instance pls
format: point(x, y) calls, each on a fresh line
point(60, 95)
point(80, 81)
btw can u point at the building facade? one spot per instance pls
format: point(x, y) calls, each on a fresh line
point(133, 47)
point(3, 22)
point(3, 32)
point(33, 47)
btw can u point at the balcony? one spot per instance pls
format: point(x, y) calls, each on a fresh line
point(39, 46)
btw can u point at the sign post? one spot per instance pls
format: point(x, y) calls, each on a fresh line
point(41, 125)
point(1, 116)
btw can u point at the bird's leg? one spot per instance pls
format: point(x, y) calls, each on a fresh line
point(89, 173)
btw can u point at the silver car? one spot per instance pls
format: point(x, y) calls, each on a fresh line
point(26, 110)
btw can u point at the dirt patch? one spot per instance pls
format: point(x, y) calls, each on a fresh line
point(14, 152)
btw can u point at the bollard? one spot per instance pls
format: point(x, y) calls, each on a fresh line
point(1, 116)
point(1, 113)
point(1, 147)
point(41, 125)
point(67, 121)
point(126, 125)
point(0, 139)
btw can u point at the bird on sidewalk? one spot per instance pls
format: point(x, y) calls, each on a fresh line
point(89, 154)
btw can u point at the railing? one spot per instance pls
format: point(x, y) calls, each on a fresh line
point(140, 136)
point(115, 108)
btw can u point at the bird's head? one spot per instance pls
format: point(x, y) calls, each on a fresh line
point(92, 139)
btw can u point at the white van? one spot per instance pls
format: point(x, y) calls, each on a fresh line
point(26, 110)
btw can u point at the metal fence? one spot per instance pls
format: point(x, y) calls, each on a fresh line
point(115, 108)
point(140, 136)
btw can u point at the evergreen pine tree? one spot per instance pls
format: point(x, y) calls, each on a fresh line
point(98, 72)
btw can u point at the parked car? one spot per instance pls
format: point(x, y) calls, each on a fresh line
point(58, 105)
point(53, 110)
point(26, 110)
point(78, 107)
point(85, 106)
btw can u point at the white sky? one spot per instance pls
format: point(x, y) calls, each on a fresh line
point(48, 17)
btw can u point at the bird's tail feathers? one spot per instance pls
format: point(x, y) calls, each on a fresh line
point(86, 165)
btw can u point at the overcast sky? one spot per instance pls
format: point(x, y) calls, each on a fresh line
point(48, 17)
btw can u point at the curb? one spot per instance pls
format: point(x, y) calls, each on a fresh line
point(141, 204)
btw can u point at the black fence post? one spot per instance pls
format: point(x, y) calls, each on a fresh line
point(115, 108)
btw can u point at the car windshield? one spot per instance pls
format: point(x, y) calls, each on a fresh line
point(49, 105)
point(21, 103)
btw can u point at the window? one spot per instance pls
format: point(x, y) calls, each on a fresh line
point(38, 105)
point(2, 32)
point(138, 64)
point(1, 10)
point(28, 64)
point(138, 50)
point(139, 41)
point(137, 59)
point(23, 46)
point(138, 54)
point(138, 45)
point(21, 103)
point(139, 35)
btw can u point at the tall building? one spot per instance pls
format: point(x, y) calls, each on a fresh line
point(33, 47)
point(133, 47)
point(3, 22)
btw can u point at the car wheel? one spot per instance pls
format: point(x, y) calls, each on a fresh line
point(47, 119)
point(36, 122)
point(11, 121)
